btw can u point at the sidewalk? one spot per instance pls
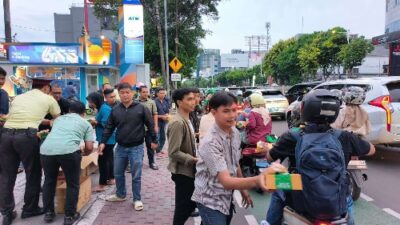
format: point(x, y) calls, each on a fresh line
point(158, 193)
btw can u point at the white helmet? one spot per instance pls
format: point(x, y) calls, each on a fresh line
point(354, 95)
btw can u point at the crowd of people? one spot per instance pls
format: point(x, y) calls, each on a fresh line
point(46, 132)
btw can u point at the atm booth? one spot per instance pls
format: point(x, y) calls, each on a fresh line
point(80, 67)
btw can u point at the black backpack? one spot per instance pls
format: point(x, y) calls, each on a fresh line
point(321, 163)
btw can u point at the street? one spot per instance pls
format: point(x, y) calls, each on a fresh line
point(378, 203)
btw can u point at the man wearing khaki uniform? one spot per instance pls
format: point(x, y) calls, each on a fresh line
point(19, 142)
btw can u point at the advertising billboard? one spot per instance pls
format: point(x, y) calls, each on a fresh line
point(234, 60)
point(133, 34)
point(44, 54)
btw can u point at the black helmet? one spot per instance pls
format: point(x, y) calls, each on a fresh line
point(320, 106)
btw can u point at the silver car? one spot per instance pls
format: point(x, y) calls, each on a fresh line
point(382, 104)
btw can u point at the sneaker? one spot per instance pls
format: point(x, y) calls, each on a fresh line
point(115, 198)
point(49, 217)
point(138, 205)
point(7, 219)
point(69, 220)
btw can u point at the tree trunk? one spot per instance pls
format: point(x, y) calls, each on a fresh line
point(7, 20)
point(160, 42)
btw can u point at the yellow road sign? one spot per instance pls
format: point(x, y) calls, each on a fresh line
point(175, 65)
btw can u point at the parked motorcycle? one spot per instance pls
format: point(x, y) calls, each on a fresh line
point(290, 217)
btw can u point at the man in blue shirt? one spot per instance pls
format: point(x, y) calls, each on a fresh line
point(4, 104)
point(163, 117)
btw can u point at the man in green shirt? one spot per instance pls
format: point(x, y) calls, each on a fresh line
point(151, 105)
point(19, 142)
point(62, 149)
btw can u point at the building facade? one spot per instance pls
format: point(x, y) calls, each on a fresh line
point(68, 27)
point(209, 63)
point(392, 16)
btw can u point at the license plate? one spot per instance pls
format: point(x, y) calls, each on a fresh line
point(273, 109)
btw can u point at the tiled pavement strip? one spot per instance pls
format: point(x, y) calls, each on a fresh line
point(157, 196)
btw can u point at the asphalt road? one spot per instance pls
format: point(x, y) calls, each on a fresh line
point(382, 187)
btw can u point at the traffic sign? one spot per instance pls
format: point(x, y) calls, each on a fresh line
point(175, 65)
point(176, 77)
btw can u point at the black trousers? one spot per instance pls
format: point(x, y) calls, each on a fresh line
point(18, 145)
point(106, 165)
point(71, 166)
point(150, 152)
point(184, 206)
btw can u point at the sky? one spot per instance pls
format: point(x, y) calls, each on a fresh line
point(33, 20)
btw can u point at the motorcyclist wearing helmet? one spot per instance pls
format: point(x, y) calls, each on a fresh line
point(258, 122)
point(352, 117)
point(319, 109)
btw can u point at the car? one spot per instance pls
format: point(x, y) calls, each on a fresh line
point(300, 89)
point(382, 104)
point(275, 101)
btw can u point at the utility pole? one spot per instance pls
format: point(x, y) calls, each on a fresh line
point(166, 45)
point(7, 20)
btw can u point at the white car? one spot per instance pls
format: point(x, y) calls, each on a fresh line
point(382, 104)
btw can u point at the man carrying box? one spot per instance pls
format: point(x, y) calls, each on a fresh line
point(61, 149)
point(218, 171)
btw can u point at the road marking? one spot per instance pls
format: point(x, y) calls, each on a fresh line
point(392, 212)
point(251, 220)
point(366, 197)
point(238, 198)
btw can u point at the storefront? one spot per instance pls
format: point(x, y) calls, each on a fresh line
point(391, 41)
point(79, 68)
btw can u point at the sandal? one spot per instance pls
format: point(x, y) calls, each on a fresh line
point(138, 205)
point(111, 182)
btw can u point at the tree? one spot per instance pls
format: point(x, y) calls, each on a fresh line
point(184, 23)
point(352, 55)
point(308, 60)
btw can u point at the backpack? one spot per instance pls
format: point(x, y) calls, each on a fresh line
point(321, 163)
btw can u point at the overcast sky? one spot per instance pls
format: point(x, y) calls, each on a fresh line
point(33, 20)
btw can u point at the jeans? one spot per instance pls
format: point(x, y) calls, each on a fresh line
point(71, 166)
point(150, 151)
point(106, 165)
point(275, 211)
point(184, 206)
point(18, 145)
point(135, 157)
point(161, 136)
point(277, 204)
point(214, 217)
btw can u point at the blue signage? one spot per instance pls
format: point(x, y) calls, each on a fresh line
point(44, 54)
point(132, 2)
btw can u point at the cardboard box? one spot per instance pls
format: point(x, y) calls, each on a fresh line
point(88, 166)
point(85, 193)
point(283, 182)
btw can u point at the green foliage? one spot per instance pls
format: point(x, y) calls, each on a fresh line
point(184, 22)
point(353, 54)
point(240, 77)
point(292, 60)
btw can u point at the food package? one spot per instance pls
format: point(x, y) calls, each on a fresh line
point(283, 181)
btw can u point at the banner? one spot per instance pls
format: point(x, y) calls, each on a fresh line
point(43, 54)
